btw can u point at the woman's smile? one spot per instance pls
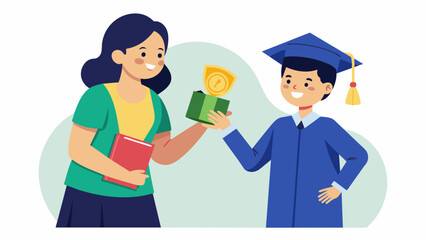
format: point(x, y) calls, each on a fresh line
point(150, 66)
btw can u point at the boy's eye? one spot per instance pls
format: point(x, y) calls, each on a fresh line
point(143, 54)
point(160, 55)
point(288, 81)
point(306, 84)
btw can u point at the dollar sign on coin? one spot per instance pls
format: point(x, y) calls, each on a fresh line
point(218, 80)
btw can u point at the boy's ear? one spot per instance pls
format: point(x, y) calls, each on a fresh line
point(117, 56)
point(328, 88)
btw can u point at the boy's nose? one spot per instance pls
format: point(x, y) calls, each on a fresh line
point(294, 87)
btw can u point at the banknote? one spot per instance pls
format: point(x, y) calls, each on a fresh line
point(217, 82)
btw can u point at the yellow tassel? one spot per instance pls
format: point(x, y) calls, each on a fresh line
point(353, 95)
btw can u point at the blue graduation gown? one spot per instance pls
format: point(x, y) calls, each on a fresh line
point(302, 163)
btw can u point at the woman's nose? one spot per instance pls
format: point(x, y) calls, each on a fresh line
point(294, 87)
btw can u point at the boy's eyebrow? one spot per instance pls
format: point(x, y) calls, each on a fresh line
point(289, 76)
point(309, 79)
point(142, 48)
point(161, 49)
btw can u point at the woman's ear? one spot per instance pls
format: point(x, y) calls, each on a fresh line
point(117, 56)
point(328, 88)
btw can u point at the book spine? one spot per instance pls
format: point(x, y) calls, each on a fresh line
point(117, 138)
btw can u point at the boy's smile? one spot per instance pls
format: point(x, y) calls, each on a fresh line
point(303, 88)
point(297, 94)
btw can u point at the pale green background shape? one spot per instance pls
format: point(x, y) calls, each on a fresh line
point(208, 187)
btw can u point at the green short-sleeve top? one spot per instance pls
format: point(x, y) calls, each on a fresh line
point(96, 110)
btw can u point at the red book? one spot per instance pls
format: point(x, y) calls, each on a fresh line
point(130, 153)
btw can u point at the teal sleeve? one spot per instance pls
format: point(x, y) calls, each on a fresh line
point(92, 108)
point(165, 120)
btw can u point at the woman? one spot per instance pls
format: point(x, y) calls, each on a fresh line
point(122, 98)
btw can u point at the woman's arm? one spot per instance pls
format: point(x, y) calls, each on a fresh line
point(168, 151)
point(81, 151)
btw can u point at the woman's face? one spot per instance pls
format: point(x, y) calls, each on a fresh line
point(145, 60)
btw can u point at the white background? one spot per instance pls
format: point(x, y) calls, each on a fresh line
point(44, 45)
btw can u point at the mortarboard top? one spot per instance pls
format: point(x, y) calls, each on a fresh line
point(310, 46)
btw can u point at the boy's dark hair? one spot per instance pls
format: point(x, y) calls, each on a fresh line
point(326, 72)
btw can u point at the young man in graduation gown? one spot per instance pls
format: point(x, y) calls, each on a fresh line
point(306, 182)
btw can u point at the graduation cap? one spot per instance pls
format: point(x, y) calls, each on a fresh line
point(310, 46)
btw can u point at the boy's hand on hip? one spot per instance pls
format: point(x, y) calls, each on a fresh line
point(328, 194)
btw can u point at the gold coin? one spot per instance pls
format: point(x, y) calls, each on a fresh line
point(218, 80)
point(217, 83)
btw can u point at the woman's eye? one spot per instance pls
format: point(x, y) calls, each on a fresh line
point(288, 81)
point(143, 54)
point(306, 84)
point(160, 55)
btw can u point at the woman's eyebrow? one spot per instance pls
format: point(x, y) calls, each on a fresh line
point(161, 49)
point(309, 79)
point(289, 76)
point(142, 48)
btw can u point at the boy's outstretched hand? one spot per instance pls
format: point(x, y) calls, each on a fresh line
point(218, 119)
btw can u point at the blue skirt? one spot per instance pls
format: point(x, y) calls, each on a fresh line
point(82, 209)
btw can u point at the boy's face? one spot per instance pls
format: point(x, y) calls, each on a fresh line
point(303, 89)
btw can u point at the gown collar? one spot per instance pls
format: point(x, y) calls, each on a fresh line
point(308, 120)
